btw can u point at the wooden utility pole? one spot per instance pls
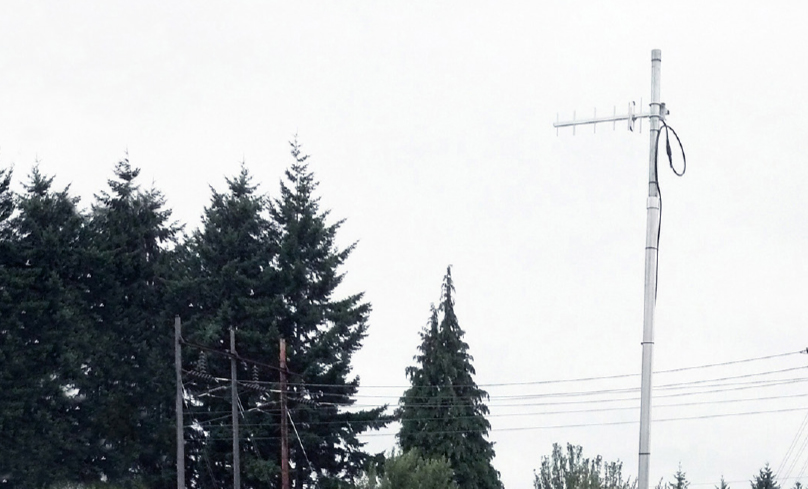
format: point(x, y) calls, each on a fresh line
point(234, 409)
point(656, 114)
point(178, 407)
point(284, 422)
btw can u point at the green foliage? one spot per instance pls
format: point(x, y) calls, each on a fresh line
point(322, 332)
point(765, 479)
point(6, 197)
point(86, 340)
point(271, 269)
point(129, 374)
point(41, 336)
point(232, 283)
point(443, 412)
point(410, 470)
point(570, 470)
point(679, 481)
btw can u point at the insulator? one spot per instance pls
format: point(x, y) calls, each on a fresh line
point(202, 363)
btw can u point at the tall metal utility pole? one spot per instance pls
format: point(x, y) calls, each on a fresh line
point(234, 410)
point(657, 112)
point(651, 263)
point(284, 422)
point(178, 406)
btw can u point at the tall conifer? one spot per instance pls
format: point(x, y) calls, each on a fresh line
point(443, 412)
point(130, 381)
point(232, 284)
point(322, 333)
point(41, 335)
point(271, 269)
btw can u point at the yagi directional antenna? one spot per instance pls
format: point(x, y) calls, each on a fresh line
point(631, 117)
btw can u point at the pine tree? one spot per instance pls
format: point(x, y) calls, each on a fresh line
point(322, 333)
point(443, 413)
point(722, 484)
point(129, 379)
point(41, 337)
point(765, 479)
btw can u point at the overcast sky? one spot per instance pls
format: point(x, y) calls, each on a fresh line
point(429, 126)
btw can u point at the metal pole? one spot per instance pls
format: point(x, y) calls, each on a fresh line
point(178, 406)
point(651, 250)
point(284, 425)
point(234, 409)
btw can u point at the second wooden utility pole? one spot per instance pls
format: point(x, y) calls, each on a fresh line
point(284, 422)
point(178, 405)
point(234, 410)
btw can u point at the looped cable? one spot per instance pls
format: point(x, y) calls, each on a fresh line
point(668, 150)
point(656, 181)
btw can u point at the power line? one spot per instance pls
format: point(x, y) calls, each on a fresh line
point(580, 425)
point(560, 381)
point(498, 402)
point(676, 385)
point(607, 423)
point(745, 481)
point(793, 444)
point(613, 423)
point(570, 411)
point(797, 457)
point(302, 448)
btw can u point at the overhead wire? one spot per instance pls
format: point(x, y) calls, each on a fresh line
point(797, 456)
point(508, 400)
point(559, 381)
point(586, 425)
point(588, 401)
point(793, 445)
point(561, 412)
point(302, 448)
point(659, 387)
point(700, 387)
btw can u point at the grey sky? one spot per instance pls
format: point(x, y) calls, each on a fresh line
point(430, 130)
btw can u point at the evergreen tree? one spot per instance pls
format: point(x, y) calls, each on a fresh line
point(679, 480)
point(41, 335)
point(129, 380)
point(765, 479)
point(6, 201)
point(722, 484)
point(322, 334)
point(232, 284)
point(570, 470)
point(271, 269)
point(443, 413)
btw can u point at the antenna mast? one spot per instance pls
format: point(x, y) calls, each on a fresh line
point(651, 263)
point(655, 115)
